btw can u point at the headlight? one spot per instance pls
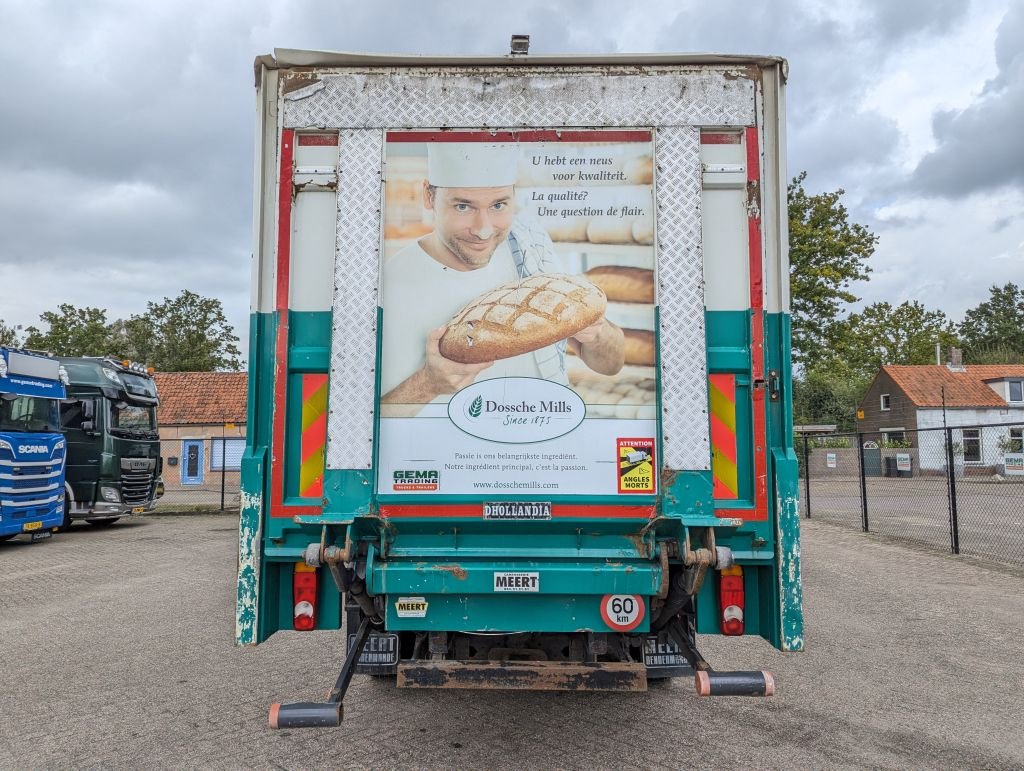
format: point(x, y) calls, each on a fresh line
point(110, 494)
point(111, 375)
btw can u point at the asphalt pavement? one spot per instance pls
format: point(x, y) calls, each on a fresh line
point(116, 651)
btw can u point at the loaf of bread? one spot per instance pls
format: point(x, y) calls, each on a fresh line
point(640, 171)
point(639, 347)
point(409, 230)
point(610, 230)
point(522, 316)
point(569, 229)
point(623, 285)
point(643, 230)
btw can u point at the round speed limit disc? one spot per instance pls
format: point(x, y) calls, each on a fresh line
point(622, 612)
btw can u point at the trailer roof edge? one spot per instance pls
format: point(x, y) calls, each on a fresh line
point(283, 58)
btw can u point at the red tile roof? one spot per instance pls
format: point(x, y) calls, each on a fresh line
point(923, 383)
point(201, 398)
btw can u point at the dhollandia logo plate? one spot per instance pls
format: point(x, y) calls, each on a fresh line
point(516, 410)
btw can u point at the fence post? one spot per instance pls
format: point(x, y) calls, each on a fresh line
point(807, 476)
point(223, 467)
point(863, 483)
point(954, 523)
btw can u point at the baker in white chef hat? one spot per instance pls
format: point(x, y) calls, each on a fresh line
point(477, 244)
point(470, 189)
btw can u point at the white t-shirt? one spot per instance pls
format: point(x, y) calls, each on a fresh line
point(420, 294)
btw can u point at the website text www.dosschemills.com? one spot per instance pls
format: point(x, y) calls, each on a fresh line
point(516, 485)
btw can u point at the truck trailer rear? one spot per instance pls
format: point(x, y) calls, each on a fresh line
point(519, 369)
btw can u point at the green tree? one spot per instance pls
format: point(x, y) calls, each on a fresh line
point(827, 253)
point(995, 325)
point(9, 335)
point(828, 397)
point(188, 333)
point(72, 331)
point(882, 334)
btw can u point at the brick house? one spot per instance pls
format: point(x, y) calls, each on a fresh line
point(903, 401)
point(202, 419)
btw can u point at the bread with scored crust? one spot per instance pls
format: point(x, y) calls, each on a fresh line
point(522, 316)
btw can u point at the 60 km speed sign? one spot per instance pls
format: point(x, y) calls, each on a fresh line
point(622, 612)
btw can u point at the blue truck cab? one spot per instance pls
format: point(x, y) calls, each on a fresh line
point(32, 449)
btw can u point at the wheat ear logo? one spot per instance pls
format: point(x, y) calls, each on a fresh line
point(476, 407)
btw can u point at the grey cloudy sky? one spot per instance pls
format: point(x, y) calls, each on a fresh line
point(126, 131)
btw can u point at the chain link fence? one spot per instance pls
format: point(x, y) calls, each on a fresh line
point(960, 488)
point(201, 474)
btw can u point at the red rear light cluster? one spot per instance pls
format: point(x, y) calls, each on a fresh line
point(304, 597)
point(730, 591)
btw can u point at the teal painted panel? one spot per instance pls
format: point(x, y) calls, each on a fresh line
point(513, 613)
point(478, 578)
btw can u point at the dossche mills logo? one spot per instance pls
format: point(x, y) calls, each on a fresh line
point(418, 480)
point(516, 410)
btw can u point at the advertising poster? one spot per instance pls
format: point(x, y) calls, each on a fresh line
point(518, 352)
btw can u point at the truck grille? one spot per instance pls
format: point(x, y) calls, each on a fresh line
point(136, 487)
point(29, 488)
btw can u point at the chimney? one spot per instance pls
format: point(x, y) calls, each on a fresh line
point(956, 360)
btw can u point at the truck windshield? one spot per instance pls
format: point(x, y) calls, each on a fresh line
point(132, 419)
point(27, 413)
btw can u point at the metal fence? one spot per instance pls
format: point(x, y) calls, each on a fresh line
point(201, 473)
point(960, 488)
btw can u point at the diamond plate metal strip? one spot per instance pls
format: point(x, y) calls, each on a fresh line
point(529, 97)
point(681, 299)
point(354, 318)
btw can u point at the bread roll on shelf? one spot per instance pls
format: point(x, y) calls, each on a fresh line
point(623, 284)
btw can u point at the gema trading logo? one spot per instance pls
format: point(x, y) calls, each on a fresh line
point(415, 480)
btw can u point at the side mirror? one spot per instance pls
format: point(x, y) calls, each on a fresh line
point(88, 409)
point(88, 426)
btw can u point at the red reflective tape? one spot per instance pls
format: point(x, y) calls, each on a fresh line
point(549, 135)
point(284, 246)
point(318, 140)
point(760, 434)
point(754, 219)
point(720, 138)
point(475, 511)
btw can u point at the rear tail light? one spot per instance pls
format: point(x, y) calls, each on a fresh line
point(304, 596)
point(730, 591)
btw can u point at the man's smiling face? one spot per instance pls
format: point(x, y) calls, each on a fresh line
point(471, 221)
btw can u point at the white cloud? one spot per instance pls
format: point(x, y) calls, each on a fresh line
point(126, 150)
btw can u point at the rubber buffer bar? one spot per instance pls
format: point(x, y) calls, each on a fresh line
point(326, 714)
point(735, 683)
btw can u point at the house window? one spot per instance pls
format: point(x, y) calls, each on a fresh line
point(884, 402)
point(1016, 443)
point(1017, 390)
point(972, 445)
point(226, 449)
point(897, 435)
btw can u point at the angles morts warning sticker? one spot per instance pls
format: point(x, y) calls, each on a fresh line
point(636, 465)
point(622, 612)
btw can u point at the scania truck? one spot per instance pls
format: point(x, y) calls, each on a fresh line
point(110, 422)
point(32, 450)
point(519, 384)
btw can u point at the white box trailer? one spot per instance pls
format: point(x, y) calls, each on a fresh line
point(519, 363)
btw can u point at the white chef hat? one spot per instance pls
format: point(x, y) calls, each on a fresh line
point(472, 164)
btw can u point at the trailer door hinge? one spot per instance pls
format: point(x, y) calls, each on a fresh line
point(774, 384)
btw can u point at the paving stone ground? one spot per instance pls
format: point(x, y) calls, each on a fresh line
point(116, 651)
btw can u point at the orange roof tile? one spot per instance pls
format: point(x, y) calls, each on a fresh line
point(923, 383)
point(201, 398)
